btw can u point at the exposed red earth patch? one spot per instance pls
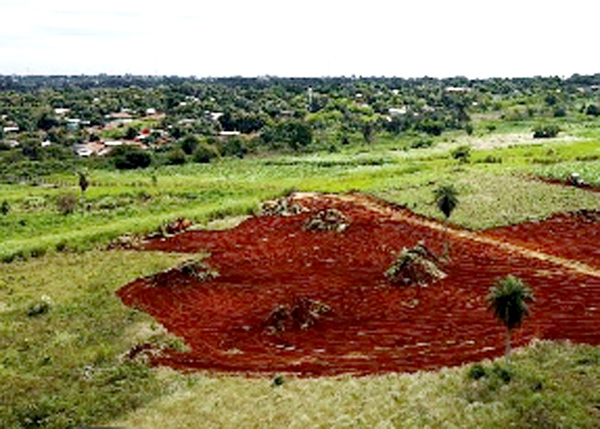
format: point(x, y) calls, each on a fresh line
point(573, 236)
point(372, 326)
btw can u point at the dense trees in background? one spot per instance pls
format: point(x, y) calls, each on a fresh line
point(189, 119)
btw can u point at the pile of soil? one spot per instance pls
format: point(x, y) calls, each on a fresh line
point(371, 325)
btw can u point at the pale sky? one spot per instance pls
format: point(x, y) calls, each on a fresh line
point(300, 38)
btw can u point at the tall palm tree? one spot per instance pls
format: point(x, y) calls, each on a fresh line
point(508, 300)
point(446, 198)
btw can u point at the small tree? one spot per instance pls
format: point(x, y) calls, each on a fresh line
point(508, 300)
point(446, 198)
point(5, 208)
point(83, 183)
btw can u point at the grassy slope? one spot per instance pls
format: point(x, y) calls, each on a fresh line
point(63, 367)
point(492, 193)
point(551, 386)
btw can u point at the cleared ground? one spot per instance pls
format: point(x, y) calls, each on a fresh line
point(372, 326)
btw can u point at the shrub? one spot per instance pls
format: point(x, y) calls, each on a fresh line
point(131, 157)
point(545, 131)
point(205, 153)
point(462, 153)
point(66, 203)
point(189, 144)
point(5, 208)
point(476, 372)
point(234, 146)
point(415, 266)
point(421, 143)
point(560, 112)
point(176, 156)
point(491, 159)
point(592, 110)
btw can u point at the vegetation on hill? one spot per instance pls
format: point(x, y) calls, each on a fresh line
point(215, 148)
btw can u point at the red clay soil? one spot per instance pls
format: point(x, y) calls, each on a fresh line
point(573, 236)
point(372, 326)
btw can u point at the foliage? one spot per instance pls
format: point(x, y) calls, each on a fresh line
point(508, 300)
point(205, 153)
point(415, 266)
point(446, 199)
point(83, 181)
point(176, 156)
point(65, 335)
point(130, 157)
point(66, 203)
point(545, 131)
point(293, 133)
point(462, 153)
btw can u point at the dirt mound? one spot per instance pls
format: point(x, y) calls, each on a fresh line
point(327, 220)
point(370, 326)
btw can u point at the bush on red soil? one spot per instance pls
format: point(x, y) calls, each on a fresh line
point(285, 206)
point(327, 220)
point(189, 272)
point(177, 226)
point(415, 266)
point(304, 313)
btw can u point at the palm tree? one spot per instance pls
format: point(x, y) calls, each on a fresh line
point(508, 300)
point(446, 198)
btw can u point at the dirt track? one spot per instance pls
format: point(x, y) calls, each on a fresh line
point(372, 326)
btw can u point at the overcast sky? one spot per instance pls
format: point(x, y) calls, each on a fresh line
point(300, 38)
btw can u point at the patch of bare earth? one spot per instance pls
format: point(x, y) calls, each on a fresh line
point(292, 299)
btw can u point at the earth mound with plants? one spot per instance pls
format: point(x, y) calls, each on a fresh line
point(274, 296)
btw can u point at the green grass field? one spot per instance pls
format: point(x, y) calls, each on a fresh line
point(64, 332)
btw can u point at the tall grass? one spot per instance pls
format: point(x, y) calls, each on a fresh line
point(63, 334)
point(548, 386)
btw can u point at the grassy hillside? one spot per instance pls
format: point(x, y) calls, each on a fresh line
point(495, 185)
point(65, 334)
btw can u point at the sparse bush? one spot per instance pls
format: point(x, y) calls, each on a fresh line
point(38, 308)
point(421, 143)
point(131, 157)
point(5, 208)
point(476, 372)
point(198, 270)
point(545, 131)
point(490, 159)
point(205, 153)
point(66, 203)
point(327, 220)
point(176, 156)
point(462, 153)
point(415, 266)
point(593, 110)
point(560, 112)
